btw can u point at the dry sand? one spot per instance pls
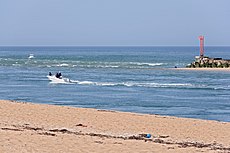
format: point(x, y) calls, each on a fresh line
point(27, 127)
point(203, 69)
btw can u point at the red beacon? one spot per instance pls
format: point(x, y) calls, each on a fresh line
point(201, 46)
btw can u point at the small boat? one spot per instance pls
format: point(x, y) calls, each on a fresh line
point(54, 79)
point(31, 56)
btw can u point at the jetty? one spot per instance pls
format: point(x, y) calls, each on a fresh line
point(207, 62)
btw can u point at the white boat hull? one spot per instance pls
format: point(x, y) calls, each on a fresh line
point(54, 79)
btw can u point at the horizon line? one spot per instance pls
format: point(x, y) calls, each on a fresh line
point(112, 46)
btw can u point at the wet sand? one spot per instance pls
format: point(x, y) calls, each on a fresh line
point(27, 127)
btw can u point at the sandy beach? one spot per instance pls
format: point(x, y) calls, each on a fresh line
point(27, 127)
point(203, 69)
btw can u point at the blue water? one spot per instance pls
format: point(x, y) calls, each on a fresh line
point(133, 79)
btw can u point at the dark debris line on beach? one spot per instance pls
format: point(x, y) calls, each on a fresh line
point(159, 139)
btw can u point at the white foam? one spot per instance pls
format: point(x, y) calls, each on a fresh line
point(127, 84)
point(152, 84)
point(105, 66)
point(86, 83)
point(148, 64)
point(105, 84)
point(63, 65)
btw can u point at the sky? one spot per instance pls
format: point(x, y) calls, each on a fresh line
point(114, 22)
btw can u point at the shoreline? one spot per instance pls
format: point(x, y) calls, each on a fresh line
point(29, 127)
point(202, 69)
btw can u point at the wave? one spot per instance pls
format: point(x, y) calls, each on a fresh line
point(71, 63)
point(108, 65)
point(63, 65)
point(147, 64)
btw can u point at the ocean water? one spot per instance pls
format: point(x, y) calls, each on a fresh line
point(132, 79)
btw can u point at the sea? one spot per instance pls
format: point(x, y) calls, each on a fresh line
point(128, 79)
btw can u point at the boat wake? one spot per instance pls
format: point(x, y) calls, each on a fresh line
point(55, 80)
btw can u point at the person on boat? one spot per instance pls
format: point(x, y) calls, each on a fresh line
point(50, 74)
point(58, 75)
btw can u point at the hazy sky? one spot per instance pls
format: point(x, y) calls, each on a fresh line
point(114, 22)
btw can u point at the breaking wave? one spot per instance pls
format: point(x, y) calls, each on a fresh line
point(147, 64)
point(71, 64)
